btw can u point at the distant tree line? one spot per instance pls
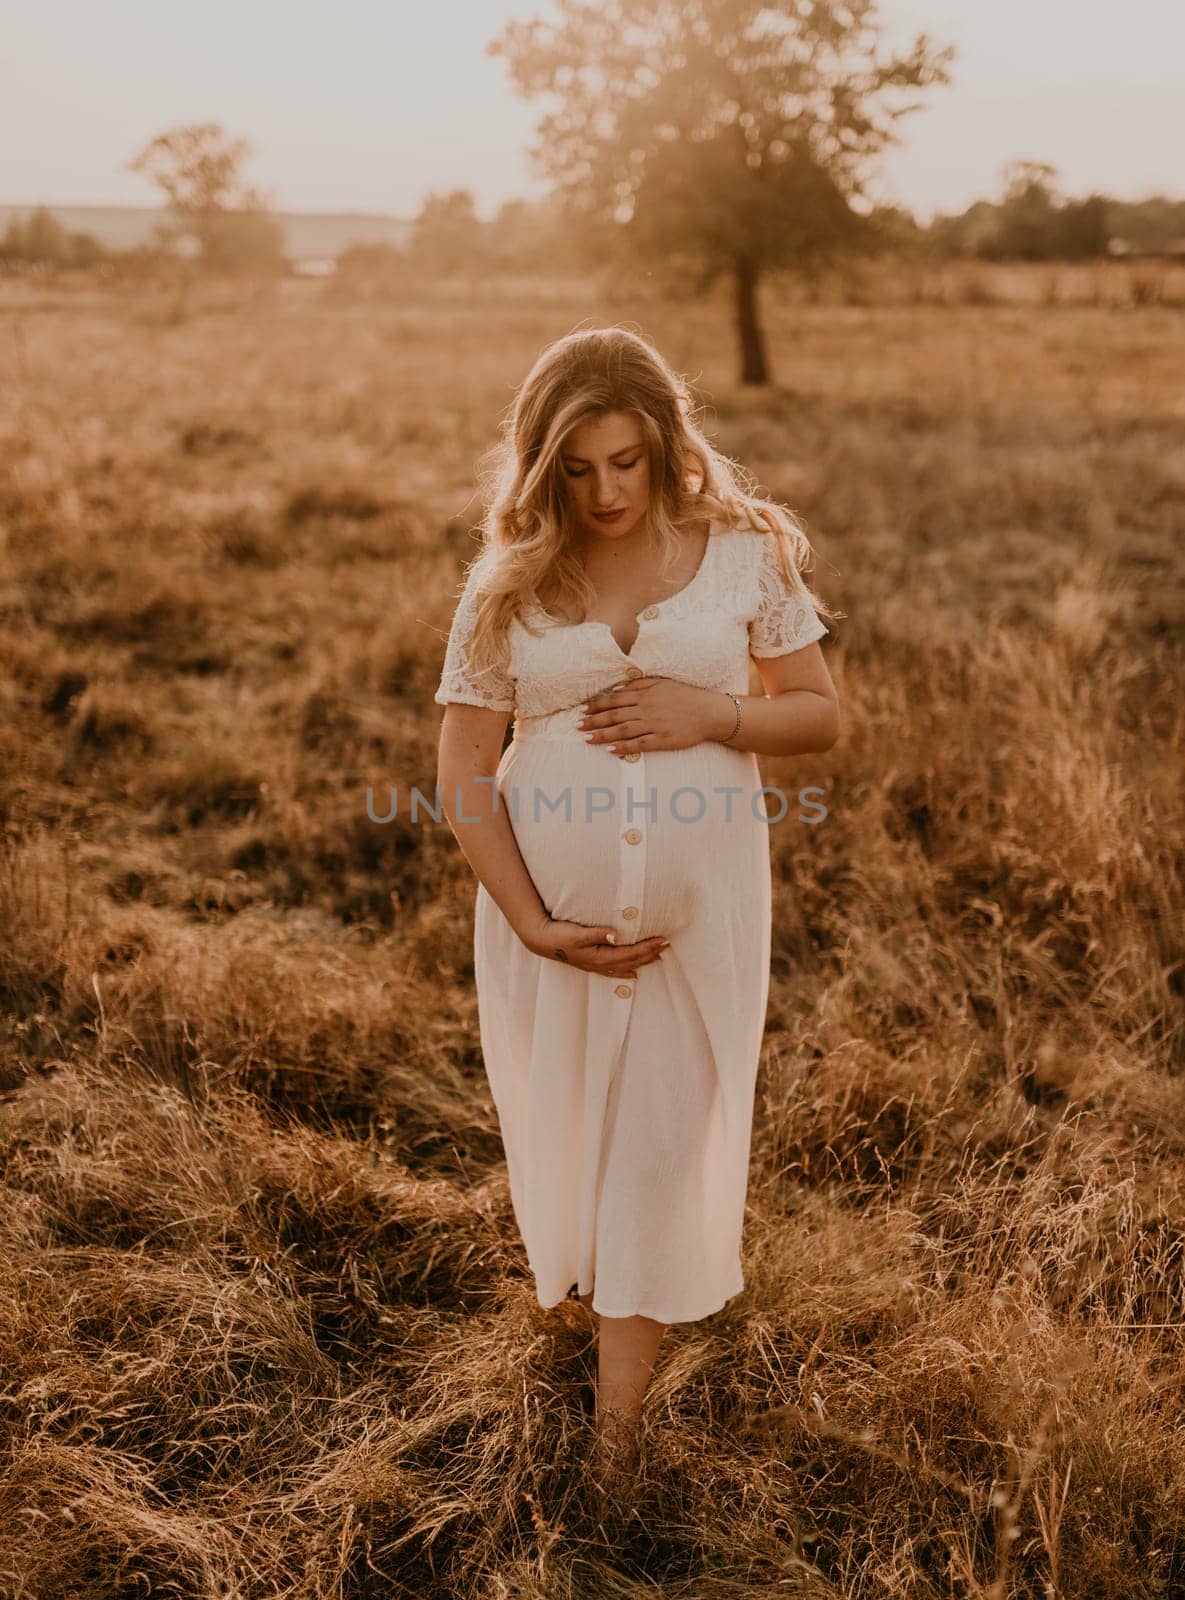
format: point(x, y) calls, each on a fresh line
point(40, 240)
point(224, 226)
point(1030, 222)
point(448, 236)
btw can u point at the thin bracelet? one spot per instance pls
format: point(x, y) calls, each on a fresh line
point(736, 726)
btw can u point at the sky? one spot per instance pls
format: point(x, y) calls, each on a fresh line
point(367, 105)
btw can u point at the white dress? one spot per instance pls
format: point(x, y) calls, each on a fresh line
point(626, 1107)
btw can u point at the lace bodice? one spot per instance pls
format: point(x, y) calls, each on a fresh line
point(737, 605)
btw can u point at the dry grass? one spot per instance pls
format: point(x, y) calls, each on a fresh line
point(269, 1329)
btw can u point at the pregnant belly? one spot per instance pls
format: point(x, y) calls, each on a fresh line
point(674, 832)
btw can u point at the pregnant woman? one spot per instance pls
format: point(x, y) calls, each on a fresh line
point(621, 840)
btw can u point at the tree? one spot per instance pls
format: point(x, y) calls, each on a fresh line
point(896, 228)
point(39, 239)
point(199, 171)
point(1035, 225)
point(1028, 211)
point(533, 235)
point(733, 132)
point(1149, 224)
point(1082, 228)
point(1028, 222)
point(447, 233)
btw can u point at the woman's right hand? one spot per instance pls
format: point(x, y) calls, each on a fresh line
point(590, 949)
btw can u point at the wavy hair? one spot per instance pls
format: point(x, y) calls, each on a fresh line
point(527, 529)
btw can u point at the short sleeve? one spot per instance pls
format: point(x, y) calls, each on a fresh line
point(460, 680)
point(785, 618)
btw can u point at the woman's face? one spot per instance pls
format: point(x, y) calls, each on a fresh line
point(606, 469)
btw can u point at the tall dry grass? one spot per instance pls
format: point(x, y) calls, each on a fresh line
point(268, 1326)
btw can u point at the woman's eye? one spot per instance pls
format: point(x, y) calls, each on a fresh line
point(625, 465)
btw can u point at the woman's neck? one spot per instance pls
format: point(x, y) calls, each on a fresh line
point(596, 550)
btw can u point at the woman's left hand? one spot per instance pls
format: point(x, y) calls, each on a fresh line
point(656, 714)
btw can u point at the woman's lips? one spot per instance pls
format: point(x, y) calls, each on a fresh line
point(609, 516)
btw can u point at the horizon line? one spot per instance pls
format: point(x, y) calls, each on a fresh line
point(120, 205)
point(928, 213)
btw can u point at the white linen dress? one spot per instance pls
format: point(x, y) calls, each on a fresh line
point(626, 1106)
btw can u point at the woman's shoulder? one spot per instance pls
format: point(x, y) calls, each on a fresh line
point(757, 545)
point(743, 543)
point(752, 562)
point(736, 529)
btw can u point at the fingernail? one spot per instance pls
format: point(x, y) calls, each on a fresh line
point(610, 938)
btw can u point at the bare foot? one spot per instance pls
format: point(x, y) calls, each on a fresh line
point(615, 1461)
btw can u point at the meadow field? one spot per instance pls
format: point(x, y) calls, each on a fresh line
point(268, 1329)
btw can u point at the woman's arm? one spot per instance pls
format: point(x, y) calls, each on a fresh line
point(466, 775)
point(799, 712)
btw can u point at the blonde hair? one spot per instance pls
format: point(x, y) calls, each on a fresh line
point(527, 527)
